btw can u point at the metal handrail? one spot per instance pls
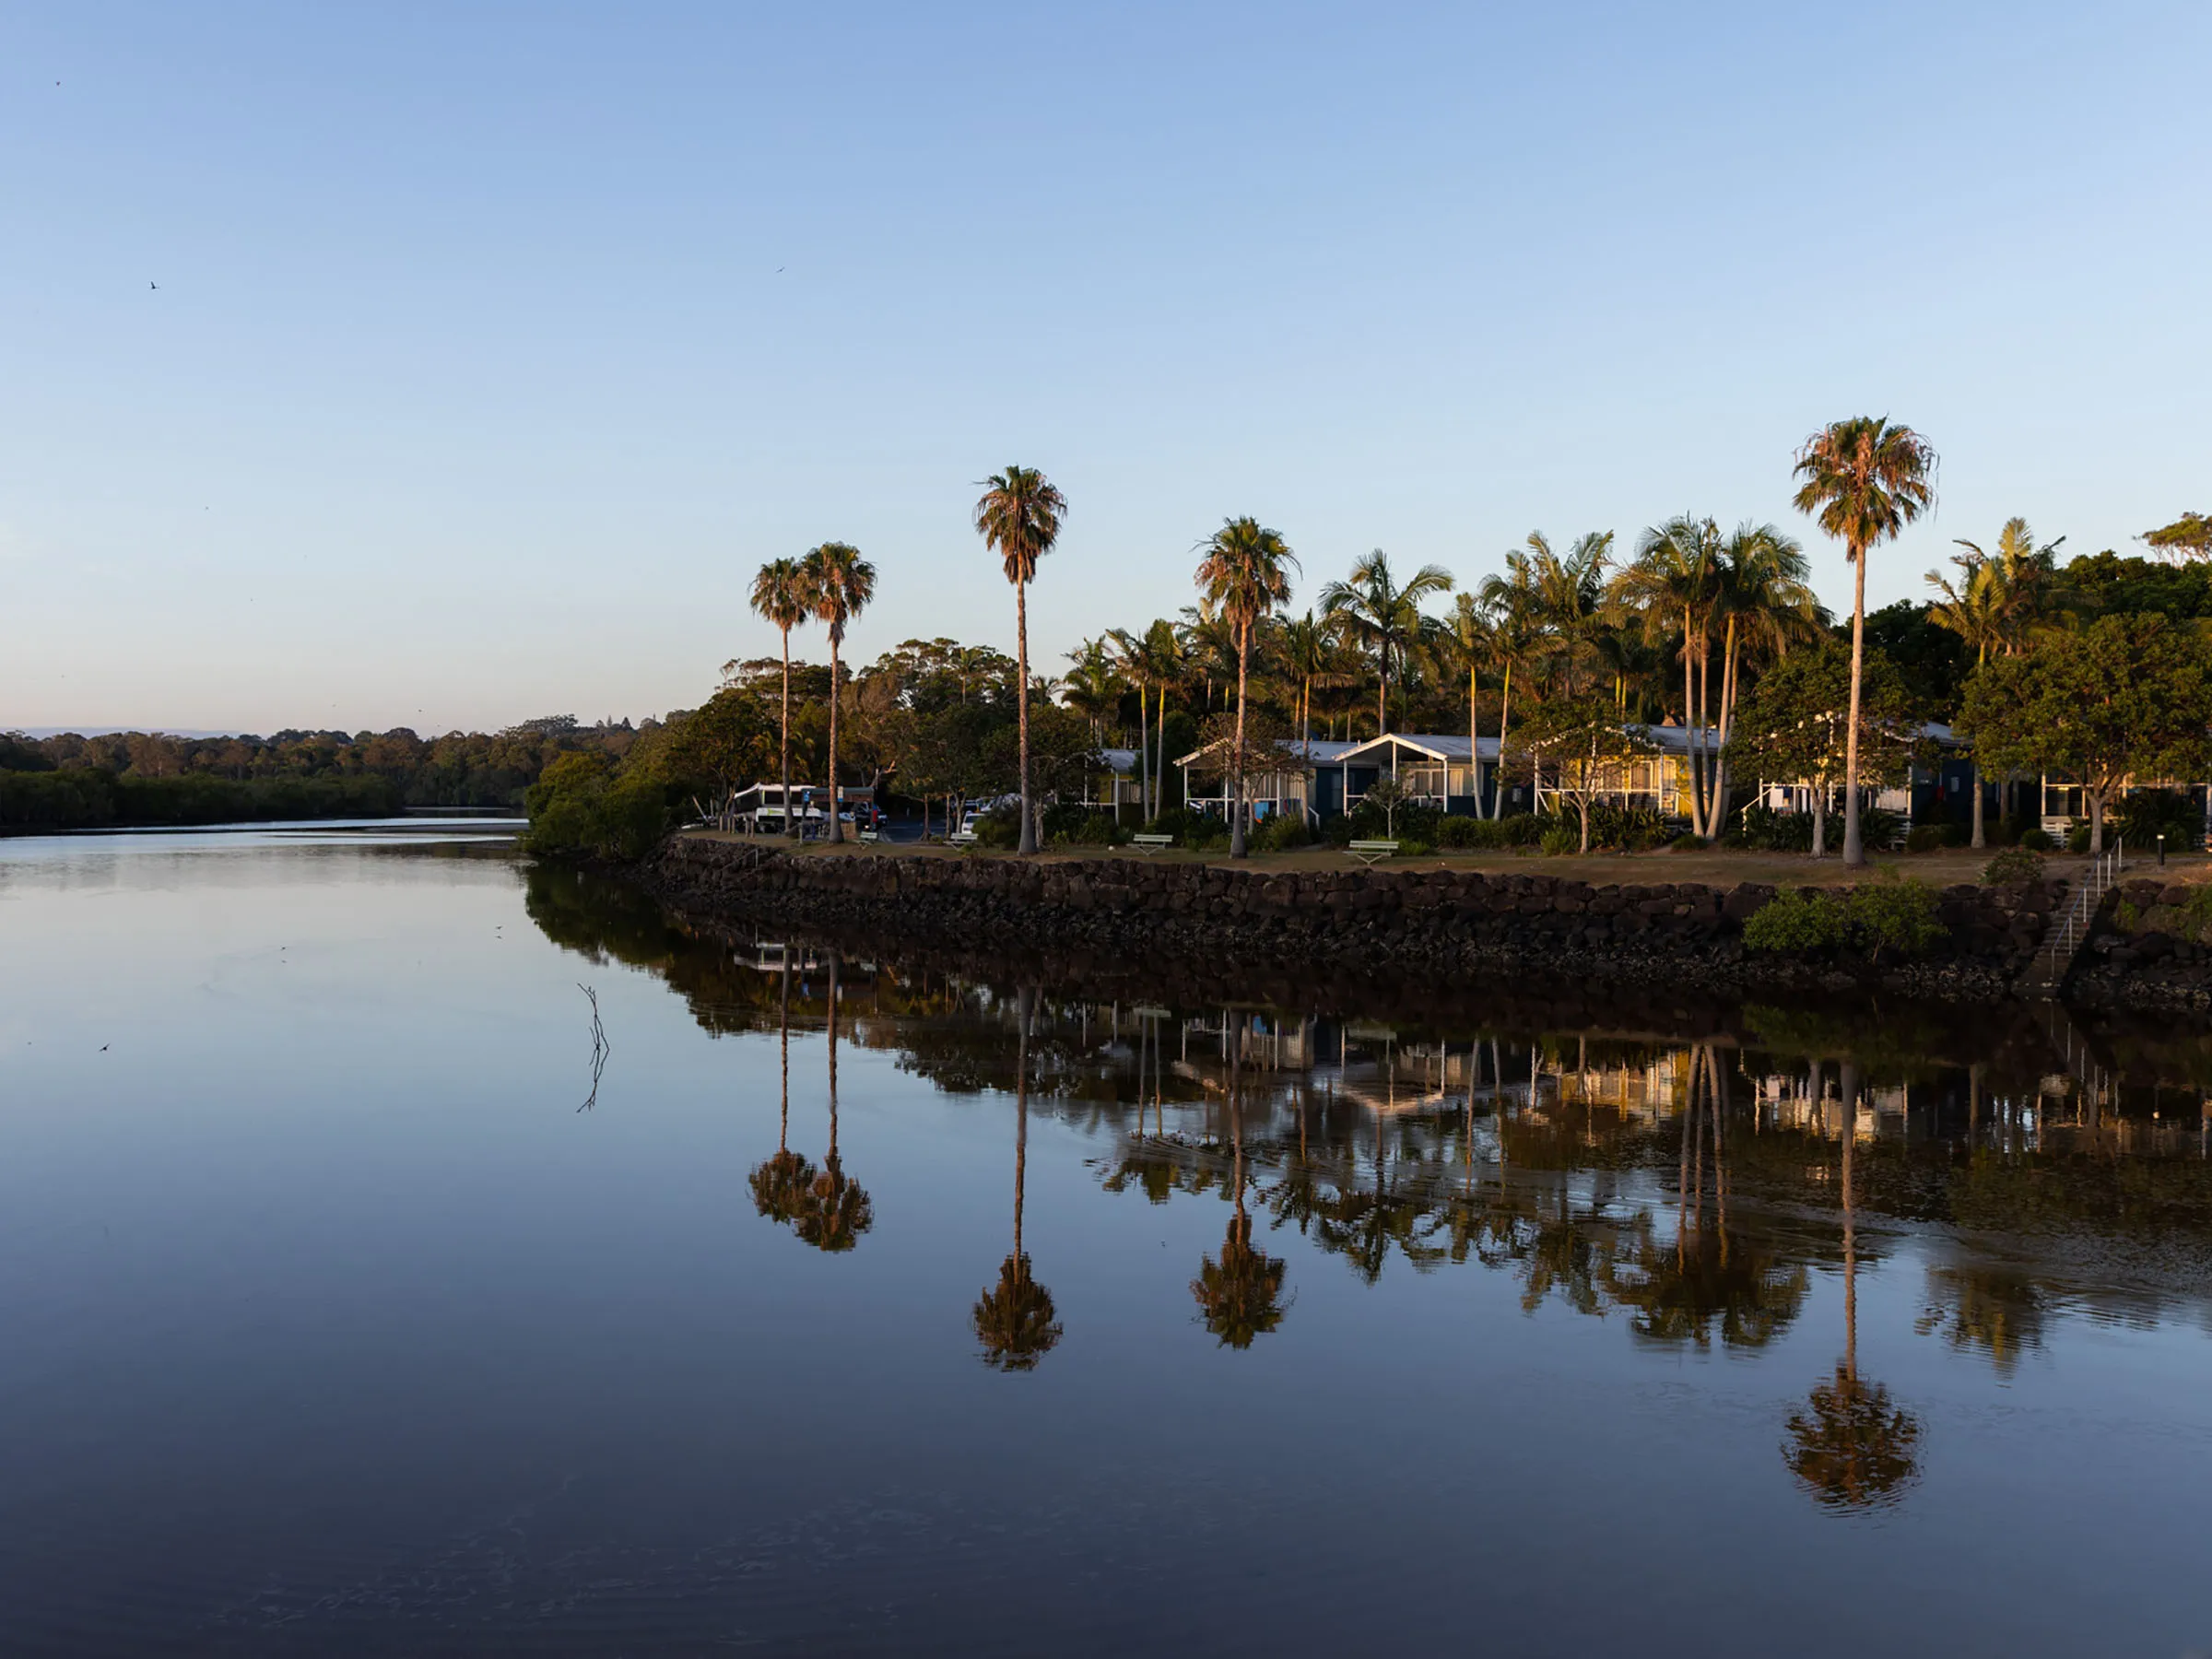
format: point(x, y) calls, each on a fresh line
point(2102, 876)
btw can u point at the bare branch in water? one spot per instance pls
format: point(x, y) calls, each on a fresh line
point(601, 1048)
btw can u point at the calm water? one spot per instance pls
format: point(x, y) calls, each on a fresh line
point(353, 1302)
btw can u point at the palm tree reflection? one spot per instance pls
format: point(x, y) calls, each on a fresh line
point(837, 1209)
point(1238, 1296)
point(780, 1185)
point(1850, 1447)
point(1015, 1321)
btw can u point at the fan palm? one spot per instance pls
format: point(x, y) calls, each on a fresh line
point(1241, 571)
point(840, 583)
point(781, 597)
point(1020, 517)
point(1864, 481)
point(1374, 608)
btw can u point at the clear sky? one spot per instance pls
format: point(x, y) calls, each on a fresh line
point(448, 364)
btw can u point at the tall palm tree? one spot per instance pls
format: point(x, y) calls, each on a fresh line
point(1016, 1322)
point(1311, 658)
point(1516, 637)
point(841, 582)
point(1020, 517)
point(1864, 481)
point(781, 596)
point(1242, 569)
point(1373, 607)
point(1766, 604)
point(1676, 580)
point(1092, 686)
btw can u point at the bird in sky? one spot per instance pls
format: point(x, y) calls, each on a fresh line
point(153, 285)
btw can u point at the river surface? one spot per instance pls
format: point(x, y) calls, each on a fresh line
point(405, 1249)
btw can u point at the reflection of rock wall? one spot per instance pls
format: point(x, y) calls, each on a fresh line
point(1435, 922)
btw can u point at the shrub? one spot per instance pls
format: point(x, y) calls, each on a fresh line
point(1926, 838)
point(1284, 832)
point(1072, 824)
point(2148, 812)
point(2015, 866)
point(1175, 821)
point(2038, 841)
point(1415, 849)
point(1878, 826)
point(2125, 916)
point(1460, 832)
point(2078, 839)
point(1899, 914)
point(1763, 829)
point(1799, 922)
point(1630, 828)
point(1687, 843)
point(1559, 839)
point(999, 828)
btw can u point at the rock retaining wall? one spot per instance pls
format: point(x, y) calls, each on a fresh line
point(1443, 922)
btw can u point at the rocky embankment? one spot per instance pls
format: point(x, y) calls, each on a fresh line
point(1446, 923)
point(2152, 949)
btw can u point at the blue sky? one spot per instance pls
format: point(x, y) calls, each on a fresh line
point(494, 346)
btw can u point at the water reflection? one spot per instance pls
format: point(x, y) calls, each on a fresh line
point(1693, 1182)
point(1015, 1321)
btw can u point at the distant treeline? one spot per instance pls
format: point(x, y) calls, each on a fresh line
point(133, 779)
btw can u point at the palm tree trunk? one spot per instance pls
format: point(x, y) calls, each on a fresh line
point(1383, 693)
point(1505, 716)
point(1236, 826)
point(783, 1039)
point(1689, 730)
point(836, 833)
point(791, 827)
point(1854, 846)
point(1160, 771)
point(1851, 1257)
point(1820, 818)
point(1021, 704)
point(1720, 756)
point(1145, 760)
point(1474, 754)
point(1980, 839)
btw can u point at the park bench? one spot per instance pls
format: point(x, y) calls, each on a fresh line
point(962, 841)
point(1368, 852)
point(871, 835)
point(1151, 843)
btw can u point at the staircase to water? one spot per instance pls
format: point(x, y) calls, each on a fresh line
point(2062, 946)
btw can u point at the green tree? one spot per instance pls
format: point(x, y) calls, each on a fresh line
point(1794, 725)
point(1243, 571)
point(837, 1208)
point(1020, 517)
point(839, 583)
point(2125, 697)
point(2189, 536)
point(1373, 607)
point(724, 742)
point(1766, 604)
point(1577, 747)
point(781, 597)
point(780, 1184)
point(1864, 481)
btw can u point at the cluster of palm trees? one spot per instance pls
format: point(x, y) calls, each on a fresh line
point(1555, 623)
